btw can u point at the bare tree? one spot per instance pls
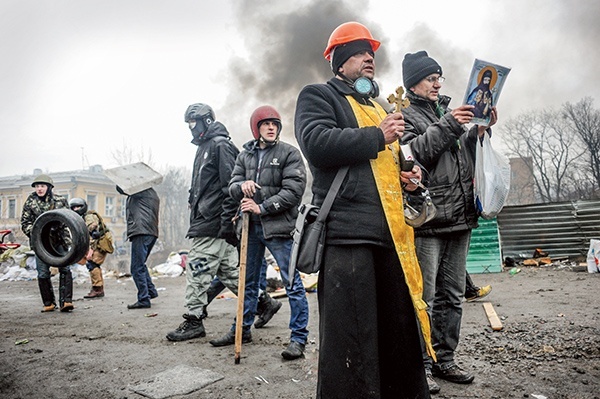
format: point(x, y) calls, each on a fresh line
point(586, 125)
point(126, 155)
point(545, 137)
point(174, 213)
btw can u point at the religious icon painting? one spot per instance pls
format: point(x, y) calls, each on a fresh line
point(483, 90)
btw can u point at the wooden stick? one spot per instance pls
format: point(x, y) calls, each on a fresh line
point(241, 286)
point(492, 316)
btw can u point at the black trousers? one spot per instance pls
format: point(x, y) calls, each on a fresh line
point(368, 339)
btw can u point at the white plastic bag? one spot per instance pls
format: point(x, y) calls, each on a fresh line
point(593, 257)
point(492, 179)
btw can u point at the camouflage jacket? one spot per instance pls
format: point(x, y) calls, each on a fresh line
point(34, 206)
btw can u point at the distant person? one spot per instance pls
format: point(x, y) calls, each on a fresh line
point(38, 202)
point(214, 240)
point(142, 230)
point(101, 244)
point(269, 179)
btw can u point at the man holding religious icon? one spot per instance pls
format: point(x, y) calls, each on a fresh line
point(445, 147)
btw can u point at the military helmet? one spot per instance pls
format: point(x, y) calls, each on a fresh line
point(43, 179)
point(78, 203)
point(199, 111)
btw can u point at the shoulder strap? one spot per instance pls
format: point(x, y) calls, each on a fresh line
point(102, 229)
point(333, 190)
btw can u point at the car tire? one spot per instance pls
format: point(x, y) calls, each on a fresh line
point(60, 237)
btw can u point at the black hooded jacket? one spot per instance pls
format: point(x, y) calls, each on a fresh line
point(211, 207)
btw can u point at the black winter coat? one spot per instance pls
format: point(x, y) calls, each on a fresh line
point(282, 179)
point(211, 207)
point(142, 213)
point(447, 151)
point(329, 137)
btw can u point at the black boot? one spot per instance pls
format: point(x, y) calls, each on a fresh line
point(229, 338)
point(266, 309)
point(192, 327)
point(65, 292)
point(47, 294)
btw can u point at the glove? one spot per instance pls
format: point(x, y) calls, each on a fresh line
point(95, 234)
point(228, 234)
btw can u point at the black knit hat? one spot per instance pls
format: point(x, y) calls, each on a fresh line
point(343, 52)
point(417, 66)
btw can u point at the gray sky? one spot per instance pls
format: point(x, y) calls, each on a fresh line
point(81, 79)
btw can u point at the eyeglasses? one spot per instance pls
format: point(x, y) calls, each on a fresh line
point(433, 79)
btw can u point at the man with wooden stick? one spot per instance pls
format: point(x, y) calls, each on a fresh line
point(269, 179)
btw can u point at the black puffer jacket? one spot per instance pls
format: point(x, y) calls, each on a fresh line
point(282, 179)
point(142, 213)
point(211, 207)
point(329, 137)
point(447, 150)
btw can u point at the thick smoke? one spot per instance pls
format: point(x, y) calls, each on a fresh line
point(285, 54)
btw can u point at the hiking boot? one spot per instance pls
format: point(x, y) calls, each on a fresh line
point(433, 386)
point(229, 339)
point(453, 374)
point(95, 292)
point(480, 293)
point(49, 308)
point(269, 307)
point(67, 307)
point(192, 327)
point(293, 351)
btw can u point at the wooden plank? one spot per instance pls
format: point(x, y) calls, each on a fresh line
point(492, 316)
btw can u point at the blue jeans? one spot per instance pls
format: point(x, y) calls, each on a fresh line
point(280, 248)
point(141, 245)
point(443, 261)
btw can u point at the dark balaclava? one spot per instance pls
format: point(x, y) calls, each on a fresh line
point(342, 52)
point(417, 66)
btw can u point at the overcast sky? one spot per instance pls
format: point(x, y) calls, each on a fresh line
point(83, 79)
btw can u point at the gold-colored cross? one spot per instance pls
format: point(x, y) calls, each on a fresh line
point(397, 99)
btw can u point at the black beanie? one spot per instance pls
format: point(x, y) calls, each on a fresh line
point(417, 66)
point(342, 52)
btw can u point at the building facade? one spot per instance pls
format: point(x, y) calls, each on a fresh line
point(91, 184)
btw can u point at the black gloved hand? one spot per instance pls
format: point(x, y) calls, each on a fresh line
point(95, 234)
point(228, 234)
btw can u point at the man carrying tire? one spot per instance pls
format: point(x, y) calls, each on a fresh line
point(38, 202)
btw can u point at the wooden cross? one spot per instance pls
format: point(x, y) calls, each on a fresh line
point(397, 100)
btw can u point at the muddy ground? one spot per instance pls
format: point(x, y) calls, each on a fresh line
point(549, 346)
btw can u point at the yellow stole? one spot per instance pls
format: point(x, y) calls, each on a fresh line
point(386, 170)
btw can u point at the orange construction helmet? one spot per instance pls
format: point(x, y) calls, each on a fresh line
point(349, 32)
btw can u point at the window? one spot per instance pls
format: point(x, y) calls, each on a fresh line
point(109, 208)
point(91, 202)
point(12, 208)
